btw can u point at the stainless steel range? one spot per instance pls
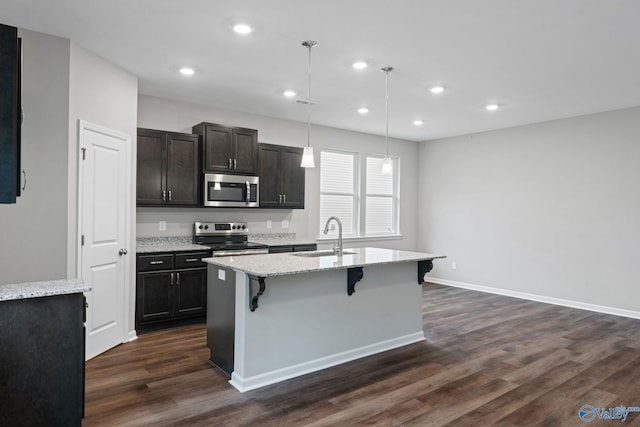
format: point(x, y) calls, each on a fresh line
point(226, 238)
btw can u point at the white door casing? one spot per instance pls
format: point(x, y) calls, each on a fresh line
point(103, 220)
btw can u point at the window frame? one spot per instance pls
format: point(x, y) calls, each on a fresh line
point(360, 196)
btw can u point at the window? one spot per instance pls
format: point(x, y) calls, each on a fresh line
point(338, 189)
point(380, 200)
point(353, 188)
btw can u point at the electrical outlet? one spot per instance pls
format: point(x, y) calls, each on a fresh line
point(269, 224)
point(222, 275)
point(285, 223)
point(162, 226)
point(454, 265)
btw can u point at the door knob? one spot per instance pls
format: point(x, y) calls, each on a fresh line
point(122, 252)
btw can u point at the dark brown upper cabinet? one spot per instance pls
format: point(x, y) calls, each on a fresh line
point(281, 177)
point(167, 168)
point(225, 149)
point(10, 114)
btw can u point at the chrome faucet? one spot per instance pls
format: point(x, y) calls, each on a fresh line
point(337, 247)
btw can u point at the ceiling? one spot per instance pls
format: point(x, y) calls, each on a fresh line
point(538, 59)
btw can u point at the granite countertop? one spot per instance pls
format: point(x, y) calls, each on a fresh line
point(279, 239)
point(289, 263)
point(49, 288)
point(167, 244)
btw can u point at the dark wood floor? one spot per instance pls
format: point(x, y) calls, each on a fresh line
point(487, 360)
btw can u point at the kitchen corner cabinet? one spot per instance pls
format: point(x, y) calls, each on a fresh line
point(167, 172)
point(281, 176)
point(225, 149)
point(10, 114)
point(170, 289)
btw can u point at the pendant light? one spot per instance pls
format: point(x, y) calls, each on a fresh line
point(307, 154)
point(387, 163)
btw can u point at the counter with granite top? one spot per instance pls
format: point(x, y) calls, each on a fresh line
point(16, 291)
point(167, 244)
point(277, 316)
point(308, 262)
point(279, 239)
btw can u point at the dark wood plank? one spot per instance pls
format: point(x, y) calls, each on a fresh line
point(487, 360)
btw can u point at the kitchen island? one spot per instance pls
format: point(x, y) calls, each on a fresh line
point(277, 316)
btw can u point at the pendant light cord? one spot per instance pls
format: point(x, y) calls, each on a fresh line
point(386, 70)
point(309, 44)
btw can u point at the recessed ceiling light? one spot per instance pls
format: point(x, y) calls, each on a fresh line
point(418, 122)
point(363, 110)
point(242, 28)
point(360, 65)
point(492, 107)
point(289, 93)
point(187, 71)
point(437, 89)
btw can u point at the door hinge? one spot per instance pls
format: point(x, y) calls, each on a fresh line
point(82, 240)
point(84, 152)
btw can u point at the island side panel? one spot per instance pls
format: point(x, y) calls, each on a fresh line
point(307, 322)
point(221, 312)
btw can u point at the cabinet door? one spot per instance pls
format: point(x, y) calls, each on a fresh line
point(269, 174)
point(150, 189)
point(154, 296)
point(182, 169)
point(9, 116)
point(191, 295)
point(218, 149)
point(292, 178)
point(246, 150)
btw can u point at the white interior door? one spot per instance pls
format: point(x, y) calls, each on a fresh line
point(104, 206)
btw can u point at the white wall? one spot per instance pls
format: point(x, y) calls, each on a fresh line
point(106, 95)
point(551, 209)
point(158, 113)
point(33, 232)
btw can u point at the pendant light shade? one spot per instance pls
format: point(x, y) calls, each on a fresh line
point(307, 158)
point(307, 155)
point(387, 163)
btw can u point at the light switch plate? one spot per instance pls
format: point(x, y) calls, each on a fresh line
point(269, 224)
point(222, 275)
point(162, 225)
point(285, 223)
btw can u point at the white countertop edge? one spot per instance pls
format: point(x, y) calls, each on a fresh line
point(284, 264)
point(16, 291)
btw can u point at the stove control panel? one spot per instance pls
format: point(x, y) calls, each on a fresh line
point(220, 228)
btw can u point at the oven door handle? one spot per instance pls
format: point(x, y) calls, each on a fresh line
point(248, 192)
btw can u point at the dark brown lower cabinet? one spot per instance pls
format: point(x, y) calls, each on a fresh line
point(42, 361)
point(171, 289)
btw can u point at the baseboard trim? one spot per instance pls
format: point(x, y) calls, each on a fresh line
point(276, 376)
point(539, 298)
point(131, 336)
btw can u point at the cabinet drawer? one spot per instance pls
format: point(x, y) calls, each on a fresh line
point(191, 260)
point(155, 262)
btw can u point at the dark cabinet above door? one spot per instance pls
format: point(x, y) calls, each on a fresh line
point(230, 150)
point(167, 172)
point(282, 179)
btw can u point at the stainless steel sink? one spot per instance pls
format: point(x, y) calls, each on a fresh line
point(315, 254)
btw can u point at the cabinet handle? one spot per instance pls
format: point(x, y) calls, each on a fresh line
point(169, 195)
point(178, 281)
point(284, 198)
point(280, 198)
point(24, 185)
point(156, 262)
point(229, 163)
point(172, 278)
point(191, 259)
point(164, 195)
point(235, 164)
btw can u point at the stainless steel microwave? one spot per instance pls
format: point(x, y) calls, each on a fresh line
point(230, 191)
